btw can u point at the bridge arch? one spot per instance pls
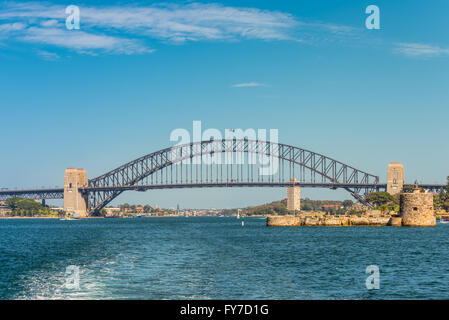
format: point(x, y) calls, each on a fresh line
point(235, 157)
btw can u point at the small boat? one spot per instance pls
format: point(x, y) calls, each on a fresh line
point(444, 221)
point(66, 218)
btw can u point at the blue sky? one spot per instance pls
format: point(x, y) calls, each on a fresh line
point(114, 89)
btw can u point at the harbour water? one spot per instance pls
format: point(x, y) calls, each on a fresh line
point(217, 258)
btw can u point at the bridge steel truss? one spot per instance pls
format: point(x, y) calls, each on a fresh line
point(33, 194)
point(228, 163)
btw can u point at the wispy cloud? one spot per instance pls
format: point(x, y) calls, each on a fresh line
point(46, 55)
point(248, 85)
point(9, 29)
point(128, 29)
point(194, 22)
point(134, 29)
point(420, 50)
point(82, 41)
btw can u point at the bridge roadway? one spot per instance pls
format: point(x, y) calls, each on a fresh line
point(58, 193)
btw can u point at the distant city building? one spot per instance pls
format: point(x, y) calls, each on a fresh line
point(112, 211)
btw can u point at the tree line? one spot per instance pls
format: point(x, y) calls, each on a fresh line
point(28, 208)
point(280, 207)
point(441, 201)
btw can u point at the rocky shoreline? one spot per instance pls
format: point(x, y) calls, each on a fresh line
point(332, 221)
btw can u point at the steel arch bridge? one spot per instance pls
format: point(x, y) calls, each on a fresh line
point(228, 163)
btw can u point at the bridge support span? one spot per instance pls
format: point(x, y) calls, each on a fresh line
point(75, 203)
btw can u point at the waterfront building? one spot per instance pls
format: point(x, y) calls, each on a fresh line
point(139, 209)
point(4, 210)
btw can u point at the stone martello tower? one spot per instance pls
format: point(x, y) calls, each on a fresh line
point(417, 209)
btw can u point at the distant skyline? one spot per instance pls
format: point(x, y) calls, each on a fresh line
point(115, 89)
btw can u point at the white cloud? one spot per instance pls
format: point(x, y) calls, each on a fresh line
point(50, 23)
point(125, 29)
point(51, 56)
point(248, 84)
point(128, 29)
point(194, 22)
point(11, 27)
point(81, 41)
point(420, 50)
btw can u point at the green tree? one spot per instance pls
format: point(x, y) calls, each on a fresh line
point(408, 188)
point(12, 203)
point(437, 203)
point(443, 197)
point(381, 198)
point(347, 204)
point(306, 207)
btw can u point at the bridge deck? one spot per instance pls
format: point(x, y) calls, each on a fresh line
point(235, 185)
point(58, 193)
point(50, 193)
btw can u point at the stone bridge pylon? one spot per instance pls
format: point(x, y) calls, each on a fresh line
point(75, 203)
